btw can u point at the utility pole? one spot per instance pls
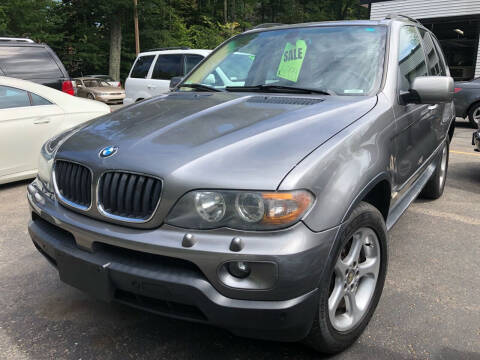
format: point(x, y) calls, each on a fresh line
point(225, 6)
point(135, 21)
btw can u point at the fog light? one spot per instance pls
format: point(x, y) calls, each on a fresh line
point(239, 269)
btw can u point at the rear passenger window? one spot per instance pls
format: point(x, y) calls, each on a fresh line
point(411, 57)
point(168, 66)
point(12, 98)
point(433, 60)
point(28, 62)
point(38, 100)
point(141, 67)
point(191, 61)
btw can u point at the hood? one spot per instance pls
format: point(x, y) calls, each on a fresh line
point(215, 140)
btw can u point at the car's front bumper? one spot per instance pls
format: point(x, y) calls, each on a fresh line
point(476, 140)
point(151, 270)
point(110, 99)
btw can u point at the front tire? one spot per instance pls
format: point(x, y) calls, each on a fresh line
point(90, 96)
point(352, 283)
point(435, 186)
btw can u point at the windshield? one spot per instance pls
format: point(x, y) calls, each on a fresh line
point(95, 83)
point(345, 60)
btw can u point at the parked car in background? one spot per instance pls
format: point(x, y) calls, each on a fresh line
point(467, 100)
point(152, 71)
point(263, 207)
point(97, 89)
point(22, 58)
point(29, 115)
point(106, 78)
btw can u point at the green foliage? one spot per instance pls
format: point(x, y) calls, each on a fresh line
point(79, 30)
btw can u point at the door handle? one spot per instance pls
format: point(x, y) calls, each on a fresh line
point(433, 107)
point(151, 86)
point(40, 122)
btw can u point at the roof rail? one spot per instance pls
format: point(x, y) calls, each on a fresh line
point(267, 25)
point(14, 39)
point(394, 16)
point(169, 48)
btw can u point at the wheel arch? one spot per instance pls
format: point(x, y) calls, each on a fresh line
point(377, 193)
point(472, 105)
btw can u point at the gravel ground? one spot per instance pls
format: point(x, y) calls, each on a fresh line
point(430, 308)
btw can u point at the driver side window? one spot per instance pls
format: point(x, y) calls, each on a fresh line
point(411, 61)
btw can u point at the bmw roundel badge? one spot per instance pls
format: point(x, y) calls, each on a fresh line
point(108, 151)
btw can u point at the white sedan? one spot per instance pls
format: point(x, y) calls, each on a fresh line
point(30, 114)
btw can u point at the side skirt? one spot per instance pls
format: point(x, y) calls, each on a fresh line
point(408, 197)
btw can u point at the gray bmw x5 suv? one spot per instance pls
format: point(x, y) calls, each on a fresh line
point(257, 195)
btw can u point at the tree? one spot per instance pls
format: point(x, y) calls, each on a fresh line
point(92, 36)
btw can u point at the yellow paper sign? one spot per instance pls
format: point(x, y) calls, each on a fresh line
point(292, 60)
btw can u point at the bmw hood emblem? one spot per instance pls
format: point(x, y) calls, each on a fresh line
point(108, 151)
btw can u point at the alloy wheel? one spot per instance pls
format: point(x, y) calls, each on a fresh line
point(476, 115)
point(354, 280)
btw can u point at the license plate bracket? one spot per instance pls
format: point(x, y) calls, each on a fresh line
point(92, 278)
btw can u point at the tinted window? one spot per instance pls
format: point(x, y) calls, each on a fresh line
point(28, 62)
point(411, 57)
point(141, 67)
point(168, 66)
point(191, 61)
point(38, 100)
point(433, 59)
point(13, 98)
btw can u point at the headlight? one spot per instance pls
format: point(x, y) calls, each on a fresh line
point(246, 210)
point(47, 153)
point(210, 206)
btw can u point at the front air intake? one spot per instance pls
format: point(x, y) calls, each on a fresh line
point(127, 196)
point(73, 183)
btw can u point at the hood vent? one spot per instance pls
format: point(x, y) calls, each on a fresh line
point(286, 100)
point(188, 95)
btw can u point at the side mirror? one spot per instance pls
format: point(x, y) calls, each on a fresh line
point(430, 90)
point(174, 81)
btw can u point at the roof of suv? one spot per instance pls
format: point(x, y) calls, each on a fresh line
point(388, 20)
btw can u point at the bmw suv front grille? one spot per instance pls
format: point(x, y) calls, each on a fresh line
point(73, 183)
point(120, 195)
point(127, 196)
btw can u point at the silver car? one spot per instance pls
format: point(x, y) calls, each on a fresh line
point(262, 207)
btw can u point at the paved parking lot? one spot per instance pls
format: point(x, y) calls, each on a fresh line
point(430, 308)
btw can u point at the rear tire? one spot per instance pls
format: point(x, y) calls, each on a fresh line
point(90, 96)
point(435, 186)
point(474, 115)
point(336, 326)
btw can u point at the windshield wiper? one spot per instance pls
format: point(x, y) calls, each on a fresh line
point(279, 88)
point(200, 87)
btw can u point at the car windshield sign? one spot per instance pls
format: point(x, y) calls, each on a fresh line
point(341, 60)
